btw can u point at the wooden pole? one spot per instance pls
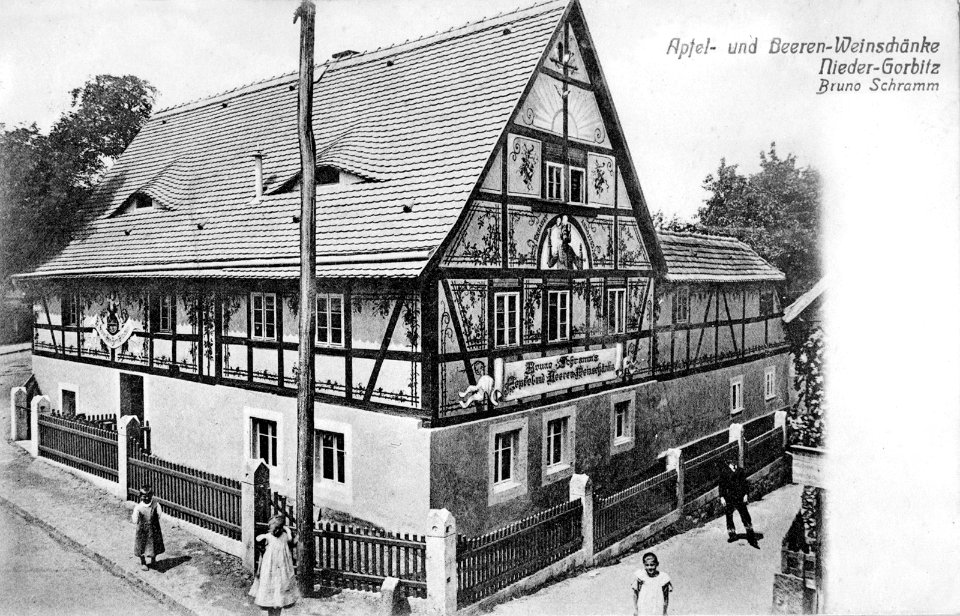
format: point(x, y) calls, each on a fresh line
point(306, 554)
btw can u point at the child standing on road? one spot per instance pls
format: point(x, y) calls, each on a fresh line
point(275, 586)
point(651, 590)
point(149, 539)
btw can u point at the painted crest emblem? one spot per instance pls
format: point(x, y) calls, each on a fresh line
point(113, 325)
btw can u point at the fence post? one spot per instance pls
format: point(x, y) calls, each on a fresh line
point(780, 421)
point(127, 427)
point(442, 562)
point(39, 405)
point(18, 398)
point(675, 461)
point(581, 487)
point(254, 507)
point(736, 434)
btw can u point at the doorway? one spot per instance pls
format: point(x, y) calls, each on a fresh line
point(131, 395)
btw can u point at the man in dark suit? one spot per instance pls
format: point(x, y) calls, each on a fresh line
point(733, 496)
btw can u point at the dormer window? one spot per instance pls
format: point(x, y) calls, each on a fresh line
point(328, 175)
point(136, 201)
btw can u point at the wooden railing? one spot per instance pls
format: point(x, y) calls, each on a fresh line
point(490, 562)
point(764, 449)
point(362, 558)
point(702, 474)
point(618, 515)
point(207, 500)
point(81, 444)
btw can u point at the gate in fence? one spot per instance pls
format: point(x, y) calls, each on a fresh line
point(490, 562)
point(362, 558)
point(87, 444)
point(207, 500)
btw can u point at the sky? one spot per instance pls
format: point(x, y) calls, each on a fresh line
point(889, 161)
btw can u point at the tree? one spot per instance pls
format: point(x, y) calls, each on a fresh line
point(775, 211)
point(44, 179)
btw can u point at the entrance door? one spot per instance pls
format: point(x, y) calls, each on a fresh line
point(131, 395)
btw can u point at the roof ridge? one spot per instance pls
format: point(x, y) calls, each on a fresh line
point(698, 234)
point(350, 60)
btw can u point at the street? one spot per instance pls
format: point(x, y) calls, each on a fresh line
point(38, 575)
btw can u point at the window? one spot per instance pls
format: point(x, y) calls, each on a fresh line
point(329, 319)
point(264, 440)
point(616, 311)
point(766, 302)
point(622, 407)
point(71, 309)
point(331, 456)
point(507, 319)
point(160, 316)
point(736, 394)
point(68, 402)
point(507, 460)
point(681, 305)
point(558, 316)
point(554, 182)
point(770, 383)
point(505, 445)
point(577, 185)
point(557, 451)
point(263, 308)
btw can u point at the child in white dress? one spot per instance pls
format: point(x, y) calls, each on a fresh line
point(275, 586)
point(148, 542)
point(651, 589)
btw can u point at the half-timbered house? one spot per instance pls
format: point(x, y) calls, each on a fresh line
point(495, 309)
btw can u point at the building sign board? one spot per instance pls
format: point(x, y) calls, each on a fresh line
point(532, 377)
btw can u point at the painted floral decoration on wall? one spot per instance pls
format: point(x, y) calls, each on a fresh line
point(527, 162)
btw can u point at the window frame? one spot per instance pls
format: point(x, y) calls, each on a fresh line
point(73, 389)
point(255, 440)
point(548, 183)
point(770, 383)
point(582, 200)
point(507, 325)
point(736, 395)
point(684, 293)
point(625, 441)
point(160, 303)
point(328, 315)
point(70, 310)
point(338, 457)
point(620, 311)
point(553, 470)
point(263, 295)
point(561, 336)
point(500, 490)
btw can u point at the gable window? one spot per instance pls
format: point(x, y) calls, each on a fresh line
point(770, 383)
point(554, 182)
point(736, 395)
point(505, 445)
point(681, 305)
point(160, 316)
point(71, 309)
point(263, 440)
point(616, 311)
point(330, 319)
point(577, 185)
point(263, 309)
point(507, 319)
point(330, 456)
point(558, 316)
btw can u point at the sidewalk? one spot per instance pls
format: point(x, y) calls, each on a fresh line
point(7, 349)
point(710, 576)
point(191, 577)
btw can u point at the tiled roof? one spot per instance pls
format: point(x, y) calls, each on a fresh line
point(419, 120)
point(693, 257)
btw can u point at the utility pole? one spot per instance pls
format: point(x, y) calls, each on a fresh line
point(306, 554)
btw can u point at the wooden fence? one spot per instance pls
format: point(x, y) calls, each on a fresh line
point(361, 558)
point(627, 511)
point(207, 500)
point(763, 450)
point(702, 474)
point(490, 562)
point(78, 443)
